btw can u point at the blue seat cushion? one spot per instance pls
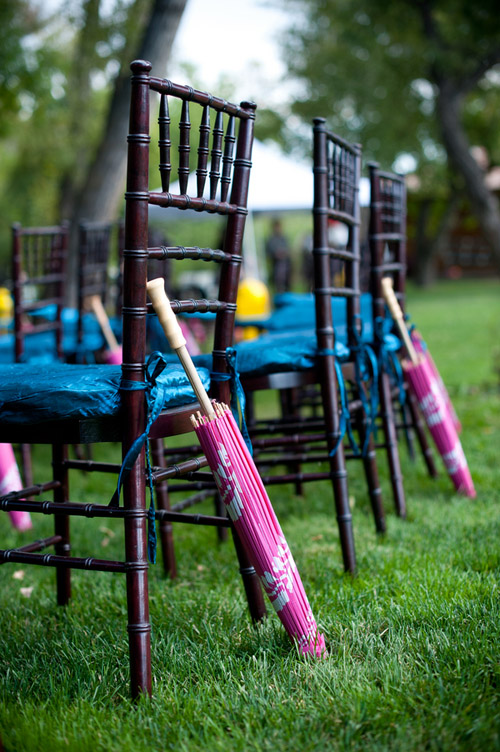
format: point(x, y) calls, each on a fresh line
point(296, 311)
point(62, 391)
point(40, 347)
point(279, 352)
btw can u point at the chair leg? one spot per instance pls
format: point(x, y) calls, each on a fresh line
point(26, 465)
point(220, 511)
point(391, 443)
point(408, 430)
point(165, 527)
point(62, 523)
point(251, 581)
point(139, 627)
point(371, 474)
point(420, 434)
point(338, 474)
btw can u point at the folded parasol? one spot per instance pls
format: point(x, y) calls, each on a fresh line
point(243, 493)
point(421, 376)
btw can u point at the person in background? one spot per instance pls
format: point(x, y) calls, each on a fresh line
point(278, 251)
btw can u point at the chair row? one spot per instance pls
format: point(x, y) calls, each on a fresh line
point(43, 327)
point(149, 399)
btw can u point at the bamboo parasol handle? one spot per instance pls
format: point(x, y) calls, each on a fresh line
point(397, 315)
point(102, 318)
point(170, 325)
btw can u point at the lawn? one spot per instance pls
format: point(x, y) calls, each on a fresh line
point(413, 640)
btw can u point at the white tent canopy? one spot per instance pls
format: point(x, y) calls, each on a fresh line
point(278, 182)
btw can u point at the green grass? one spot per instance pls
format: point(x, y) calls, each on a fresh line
point(413, 640)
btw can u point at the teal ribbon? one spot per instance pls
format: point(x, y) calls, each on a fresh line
point(345, 416)
point(238, 400)
point(388, 359)
point(155, 394)
point(366, 370)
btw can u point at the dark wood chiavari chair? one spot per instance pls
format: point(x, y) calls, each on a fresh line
point(141, 401)
point(387, 239)
point(288, 362)
point(94, 249)
point(39, 257)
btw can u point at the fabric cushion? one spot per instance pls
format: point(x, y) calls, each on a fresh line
point(297, 311)
point(63, 391)
point(281, 352)
point(40, 347)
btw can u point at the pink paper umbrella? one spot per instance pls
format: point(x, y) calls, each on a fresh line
point(422, 381)
point(253, 516)
point(422, 348)
point(10, 480)
point(244, 496)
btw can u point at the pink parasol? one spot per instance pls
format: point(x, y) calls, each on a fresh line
point(10, 480)
point(421, 347)
point(113, 354)
point(243, 493)
point(191, 343)
point(422, 379)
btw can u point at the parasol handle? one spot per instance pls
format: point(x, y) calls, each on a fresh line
point(397, 315)
point(103, 320)
point(175, 337)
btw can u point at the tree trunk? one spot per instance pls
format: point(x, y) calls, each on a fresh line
point(428, 244)
point(79, 90)
point(103, 190)
point(483, 202)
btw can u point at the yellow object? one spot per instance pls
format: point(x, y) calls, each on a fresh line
point(254, 303)
point(6, 308)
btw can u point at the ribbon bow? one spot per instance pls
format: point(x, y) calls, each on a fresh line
point(155, 397)
point(238, 400)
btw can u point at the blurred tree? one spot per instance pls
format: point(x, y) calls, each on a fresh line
point(31, 68)
point(416, 81)
point(64, 88)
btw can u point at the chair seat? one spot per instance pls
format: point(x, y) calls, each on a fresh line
point(40, 347)
point(63, 391)
point(295, 312)
point(281, 352)
point(93, 338)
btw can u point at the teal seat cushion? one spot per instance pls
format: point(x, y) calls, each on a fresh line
point(40, 347)
point(296, 311)
point(62, 391)
point(281, 352)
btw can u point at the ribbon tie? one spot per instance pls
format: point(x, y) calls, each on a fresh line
point(345, 416)
point(238, 400)
point(366, 370)
point(155, 394)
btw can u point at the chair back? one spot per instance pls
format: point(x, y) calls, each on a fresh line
point(214, 137)
point(387, 235)
point(39, 257)
point(93, 259)
point(336, 231)
point(93, 266)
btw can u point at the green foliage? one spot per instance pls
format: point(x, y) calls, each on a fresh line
point(413, 640)
point(55, 81)
point(371, 68)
